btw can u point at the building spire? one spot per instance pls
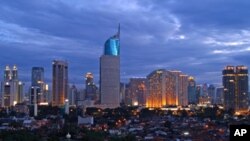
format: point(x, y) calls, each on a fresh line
point(118, 33)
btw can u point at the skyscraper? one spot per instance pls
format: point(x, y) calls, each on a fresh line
point(192, 99)
point(161, 90)
point(156, 97)
point(37, 77)
point(37, 82)
point(59, 82)
point(137, 91)
point(90, 87)
point(73, 92)
point(198, 93)
point(183, 90)
point(12, 89)
point(219, 95)
point(211, 93)
point(235, 82)
point(242, 97)
point(110, 72)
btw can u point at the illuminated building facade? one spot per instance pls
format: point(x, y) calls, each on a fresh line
point(242, 98)
point(59, 82)
point(183, 90)
point(161, 87)
point(235, 83)
point(192, 99)
point(90, 87)
point(137, 91)
point(110, 72)
point(156, 89)
point(12, 90)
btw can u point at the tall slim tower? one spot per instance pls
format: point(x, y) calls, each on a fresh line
point(12, 89)
point(229, 87)
point(37, 83)
point(192, 99)
point(242, 98)
point(110, 72)
point(90, 87)
point(235, 82)
point(59, 82)
point(7, 73)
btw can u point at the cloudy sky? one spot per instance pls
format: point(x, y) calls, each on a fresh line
point(198, 37)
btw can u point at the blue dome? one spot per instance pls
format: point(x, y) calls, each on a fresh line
point(112, 47)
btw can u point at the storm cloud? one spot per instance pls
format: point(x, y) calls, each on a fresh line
point(197, 37)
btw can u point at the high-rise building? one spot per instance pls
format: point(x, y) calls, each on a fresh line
point(176, 85)
point(192, 98)
point(37, 76)
point(156, 97)
point(110, 72)
point(211, 93)
point(235, 83)
point(198, 92)
point(183, 90)
point(137, 91)
point(35, 91)
point(161, 89)
point(242, 98)
point(124, 94)
point(59, 82)
point(12, 90)
point(73, 93)
point(219, 96)
point(90, 87)
point(37, 81)
point(7, 73)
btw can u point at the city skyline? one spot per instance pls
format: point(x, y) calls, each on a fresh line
point(175, 38)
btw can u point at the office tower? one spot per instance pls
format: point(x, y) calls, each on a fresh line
point(204, 97)
point(7, 73)
point(35, 91)
point(161, 89)
point(177, 85)
point(192, 98)
point(137, 91)
point(122, 92)
point(110, 72)
point(37, 80)
point(235, 83)
point(59, 82)
point(37, 77)
point(211, 93)
point(90, 87)
point(73, 93)
point(242, 99)
point(181, 88)
point(219, 96)
point(204, 90)
point(183, 92)
point(20, 92)
point(12, 89)
point(14, 73)
point(198, 93)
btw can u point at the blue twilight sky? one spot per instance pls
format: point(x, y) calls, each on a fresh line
point(198, 37)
